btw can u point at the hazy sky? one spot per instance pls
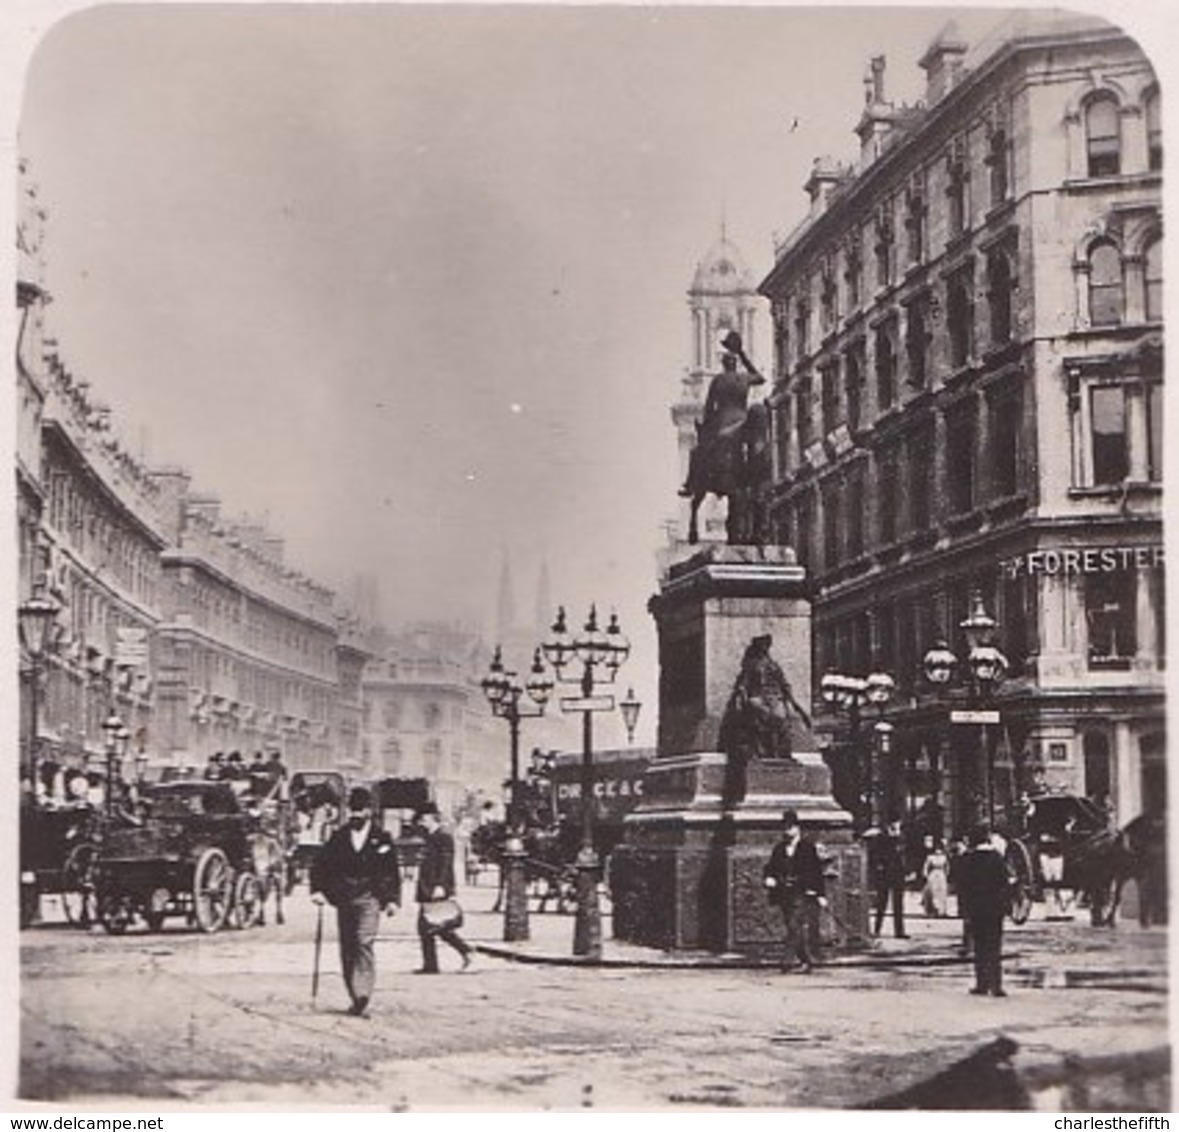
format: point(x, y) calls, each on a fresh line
point(411, 281)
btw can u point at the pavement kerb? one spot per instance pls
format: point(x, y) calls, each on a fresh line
point(711, 961)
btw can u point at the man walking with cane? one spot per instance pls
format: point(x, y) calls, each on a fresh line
point(794, 881)
point(358, 873)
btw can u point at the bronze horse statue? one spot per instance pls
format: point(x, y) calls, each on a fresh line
point(731, 459)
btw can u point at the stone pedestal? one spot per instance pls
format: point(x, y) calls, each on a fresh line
point(688, 874)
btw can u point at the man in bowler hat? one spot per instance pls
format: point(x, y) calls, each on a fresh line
point(984, 892)
point(794, 881)
point(436, 882)
point(358, 873)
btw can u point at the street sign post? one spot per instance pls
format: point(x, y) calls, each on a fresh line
point(975, 716)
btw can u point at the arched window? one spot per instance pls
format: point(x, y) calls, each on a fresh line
point(1154, 131)
point(1106, 289)
point(1152, 278)
point(1103, 142)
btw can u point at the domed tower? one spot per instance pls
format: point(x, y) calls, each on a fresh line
point(723, 297)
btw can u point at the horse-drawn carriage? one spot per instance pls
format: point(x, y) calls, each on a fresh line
point(1066, 844)
point(57, 844)
point(199, 851)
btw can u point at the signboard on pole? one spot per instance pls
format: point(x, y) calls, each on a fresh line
point(983, 716)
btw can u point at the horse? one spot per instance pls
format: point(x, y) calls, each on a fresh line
point(735, 467)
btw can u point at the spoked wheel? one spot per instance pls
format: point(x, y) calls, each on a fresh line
point(1019, 864)
point(116, 912)
point(77, 890)
point(247, 901)
point(212, 889)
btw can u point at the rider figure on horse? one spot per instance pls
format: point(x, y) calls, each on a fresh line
point(725, 411)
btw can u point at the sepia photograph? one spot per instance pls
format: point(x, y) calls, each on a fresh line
point(586, 558)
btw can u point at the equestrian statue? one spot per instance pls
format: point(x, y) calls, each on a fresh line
point(731, 458)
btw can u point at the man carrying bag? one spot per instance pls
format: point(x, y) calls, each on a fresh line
point(439, 917)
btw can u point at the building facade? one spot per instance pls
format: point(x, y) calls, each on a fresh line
point(968, 379)
point(187, 626)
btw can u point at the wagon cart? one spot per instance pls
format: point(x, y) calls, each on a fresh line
point(197, 853)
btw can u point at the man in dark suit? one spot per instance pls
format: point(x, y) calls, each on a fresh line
point(436, 882)
point(358, 873)
point(886, 854)
point(984, 891)
point(794, 881)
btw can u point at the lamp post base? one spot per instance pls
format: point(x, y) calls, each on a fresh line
point(587, 928)
point(515, 893)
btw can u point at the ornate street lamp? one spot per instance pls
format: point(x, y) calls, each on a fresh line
point(506, 696)
point(850, 695)
point(35, 618)
point(630, 708)
point(985, 668)
point(602, 654)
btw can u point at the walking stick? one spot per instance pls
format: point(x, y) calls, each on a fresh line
point(318, 949)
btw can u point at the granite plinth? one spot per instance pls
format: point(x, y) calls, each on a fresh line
point(688, 874)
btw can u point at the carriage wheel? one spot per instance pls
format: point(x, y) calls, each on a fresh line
point(116, 913)
point(77, 884)
point(1019, 862)
point(247, 901)
point(212, 889)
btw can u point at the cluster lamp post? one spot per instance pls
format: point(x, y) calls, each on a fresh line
point(985, 668)
point(601, 654)
point(36, 617)
point(851, 694)
point(506, 696)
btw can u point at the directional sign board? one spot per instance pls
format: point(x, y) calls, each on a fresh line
point(974, 717)
point(587, 703)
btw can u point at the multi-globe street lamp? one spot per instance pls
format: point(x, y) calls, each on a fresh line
point(985, 667)
point(601, 654)
point(506, 695)
point(36, 618)
point(851, 694)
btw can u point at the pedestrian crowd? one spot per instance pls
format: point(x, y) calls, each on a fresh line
point(359, 872)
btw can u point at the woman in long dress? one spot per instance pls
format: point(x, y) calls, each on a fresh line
point(934, 895)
